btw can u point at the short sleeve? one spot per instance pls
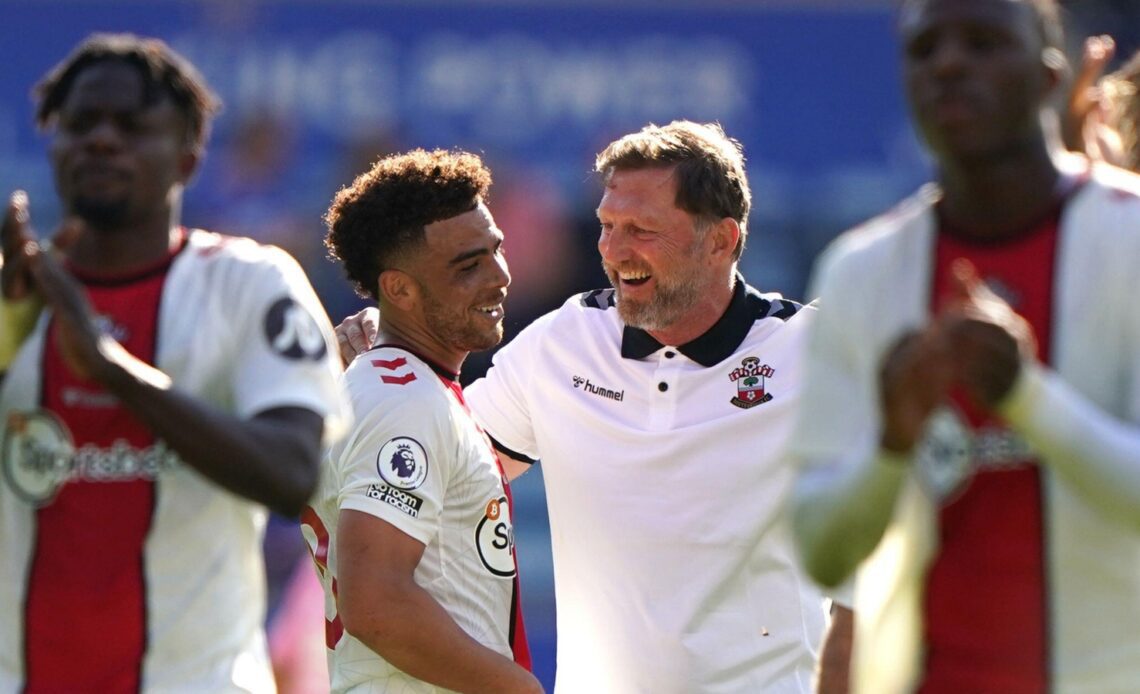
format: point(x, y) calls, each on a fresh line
point(500, 400)
point(286, 355)
point(397, 462)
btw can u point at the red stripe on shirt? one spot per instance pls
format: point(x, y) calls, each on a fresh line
point(986, 600)
point(520, 647)
point(85, 606)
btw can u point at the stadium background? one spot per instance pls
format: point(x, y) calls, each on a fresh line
point(315, 90)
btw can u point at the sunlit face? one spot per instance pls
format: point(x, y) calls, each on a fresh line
point(462, 277)
point(117, 158)
point(975, 74)
point(652, 251)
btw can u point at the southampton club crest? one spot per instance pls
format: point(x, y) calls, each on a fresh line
point(751, 379)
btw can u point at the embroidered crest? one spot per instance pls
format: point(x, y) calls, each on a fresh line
point(751, 379)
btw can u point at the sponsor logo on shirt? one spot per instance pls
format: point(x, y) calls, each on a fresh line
point(292, 332)
point(402, 463)
point(751, 379)
point(608, 393)
point(495, 538)
point(78, 397)
point(38, 456)
point(404, 501)
point(950, 452)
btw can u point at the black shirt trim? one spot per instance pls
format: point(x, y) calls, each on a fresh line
point(721, 340)
point(514, 454)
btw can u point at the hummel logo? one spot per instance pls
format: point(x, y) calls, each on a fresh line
point(584, 383)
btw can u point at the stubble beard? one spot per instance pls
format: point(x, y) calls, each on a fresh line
point(103, 215)
point(672, 298)
point(668, 305)
point(456, 330)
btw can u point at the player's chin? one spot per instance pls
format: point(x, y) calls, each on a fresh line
point(479, 340)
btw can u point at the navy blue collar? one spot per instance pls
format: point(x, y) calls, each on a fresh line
point(721, 340)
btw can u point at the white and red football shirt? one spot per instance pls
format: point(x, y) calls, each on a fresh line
point(986, 622)
point(124, 569)
point(416, 459)
point(1006, 557)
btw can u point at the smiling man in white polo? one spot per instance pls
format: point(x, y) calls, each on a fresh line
point(659, 408)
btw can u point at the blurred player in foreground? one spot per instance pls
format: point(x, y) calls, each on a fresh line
point(969, 432)
point(176, 384)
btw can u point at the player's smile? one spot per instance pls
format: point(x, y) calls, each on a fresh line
point(493, 312)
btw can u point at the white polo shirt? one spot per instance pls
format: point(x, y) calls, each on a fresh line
point(673, 565)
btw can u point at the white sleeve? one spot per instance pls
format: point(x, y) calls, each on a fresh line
point(500, 400)
point(1095, 453)
point(287, 354)
point(397, 463)
point(845, 490)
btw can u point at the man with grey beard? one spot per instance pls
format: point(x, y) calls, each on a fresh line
point(659, 408)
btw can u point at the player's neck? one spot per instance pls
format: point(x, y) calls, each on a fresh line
point(119, 250)
point(396, 330)
point(1001, 197)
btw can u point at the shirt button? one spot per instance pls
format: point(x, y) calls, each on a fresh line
point(670, 355)
point(663, 386)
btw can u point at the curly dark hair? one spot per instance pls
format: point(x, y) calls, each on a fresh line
point(163, 70)
point(384, 212)
point(711, 181)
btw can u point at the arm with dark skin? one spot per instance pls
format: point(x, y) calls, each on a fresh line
point(835, 654)
point(380, 604)
point(18, 300)
point(1092, 451)
point(841, 511)
point(271, 458)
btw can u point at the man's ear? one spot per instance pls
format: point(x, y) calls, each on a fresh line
point(188, 164)
point(399, 289)
point(725, 235)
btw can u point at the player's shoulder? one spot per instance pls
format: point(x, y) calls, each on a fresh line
point(1104, 214)
point(215, 248)
point(896, 239)
point(588, 314)
point(597, 299)
point(775, 319)
point(1117, 187)
point(883, 230)
point(243, 270)
point(773, 305)
point(590, 310)
point(391, 375)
